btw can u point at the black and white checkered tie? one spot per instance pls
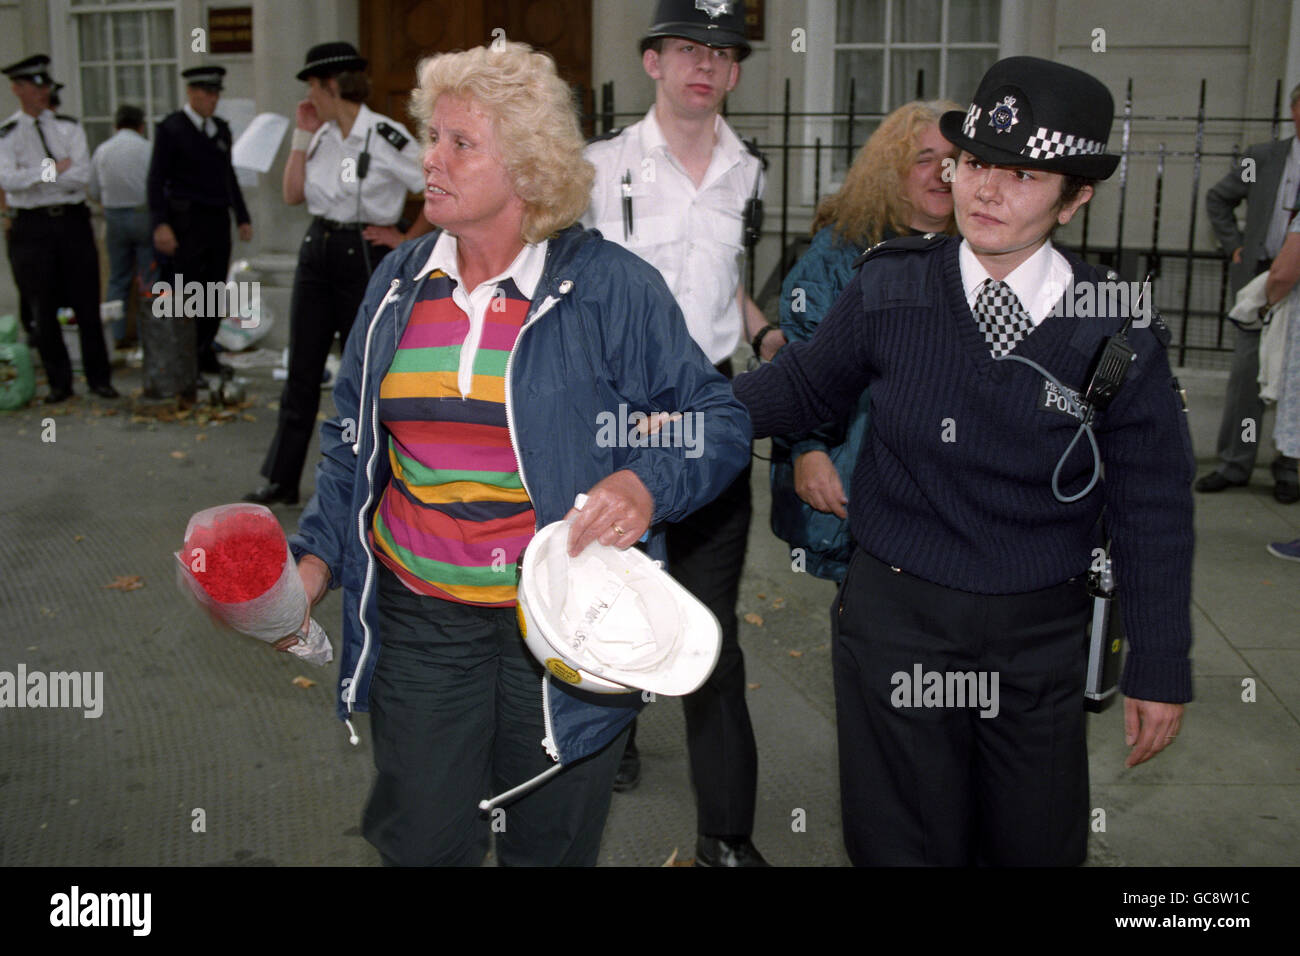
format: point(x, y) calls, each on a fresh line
point(1001, 317)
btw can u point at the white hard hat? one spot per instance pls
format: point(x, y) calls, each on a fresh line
point(612, 621)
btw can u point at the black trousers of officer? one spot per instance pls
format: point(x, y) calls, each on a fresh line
point(943, 785)
point(327, 290)
point(202, 255)
point(706, 554)
point(52, 251)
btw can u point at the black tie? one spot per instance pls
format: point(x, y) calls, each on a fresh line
point(41, 134)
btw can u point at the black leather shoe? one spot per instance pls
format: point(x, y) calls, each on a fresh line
point(1216, 482)
point(715, 851)
point(58, 395)
point(272, 493)
point(1287, 492)
point(105, 391)
point(629, 770)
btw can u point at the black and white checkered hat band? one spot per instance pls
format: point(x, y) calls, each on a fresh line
point(972, 117)
point(329, 59)
point(1048, 144)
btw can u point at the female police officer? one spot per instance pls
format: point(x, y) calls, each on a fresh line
point(959, 651)
point(354, 168)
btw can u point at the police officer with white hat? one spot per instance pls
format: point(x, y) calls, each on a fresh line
point(354, 168)
point(44, 168)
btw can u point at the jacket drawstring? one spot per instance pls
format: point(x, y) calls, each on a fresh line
point(537, 781)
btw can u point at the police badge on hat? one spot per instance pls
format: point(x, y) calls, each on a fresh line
point(1003, 116)
point(714, 8)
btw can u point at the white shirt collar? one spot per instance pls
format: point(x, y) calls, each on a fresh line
point(365, 119)
point(727, 145)
point(1038, 282)
point(27, 117)
point(525, 270)
point(199, 122)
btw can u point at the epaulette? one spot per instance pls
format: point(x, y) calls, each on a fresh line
point(66, 118)
point(604, 136)
point(7, 128)
point(393, 135)
point(902, 244)
point(751, 144)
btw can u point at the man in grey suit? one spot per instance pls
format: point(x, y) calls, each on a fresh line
point(1271, 196)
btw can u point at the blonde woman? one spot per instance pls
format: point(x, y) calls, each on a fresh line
point(896, 186)
point(468, 405)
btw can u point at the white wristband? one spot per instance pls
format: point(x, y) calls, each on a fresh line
point(301, 140)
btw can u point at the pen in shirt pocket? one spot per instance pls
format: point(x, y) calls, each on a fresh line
point(627, 204)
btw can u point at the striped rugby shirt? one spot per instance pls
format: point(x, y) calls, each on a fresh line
point(455, 517)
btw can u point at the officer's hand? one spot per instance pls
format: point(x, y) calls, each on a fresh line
point(164, 240)
point(307, 118)
point(62, 166)
point(1149, 727)
point(771, 344)
point(1236, 255)
point(617, 512)
point(246, 231)
point(383, 236)
point(818, 484)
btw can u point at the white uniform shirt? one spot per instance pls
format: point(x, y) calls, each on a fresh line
point(1039, 282)
point(693, 236)
point(119, 170)
point(205, 125)
point(394, 171)
point(22, 161)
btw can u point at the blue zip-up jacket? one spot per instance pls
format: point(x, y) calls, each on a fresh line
point(602, 330)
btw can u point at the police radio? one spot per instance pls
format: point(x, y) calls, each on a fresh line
point(1105, 638)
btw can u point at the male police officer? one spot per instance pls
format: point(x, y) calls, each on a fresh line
point(44, 167)
point(674, 188)
point(192, 188)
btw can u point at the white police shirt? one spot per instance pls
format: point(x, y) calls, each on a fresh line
point(693, 236)
point(1039, 282)
point(23, 168)
point(333, 161)
point(119, 170)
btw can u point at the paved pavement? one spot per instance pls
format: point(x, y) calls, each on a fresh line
point(195, 719)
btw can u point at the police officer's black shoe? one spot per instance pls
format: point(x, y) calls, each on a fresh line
point(105, 391)
point(1286, 492)
point(58, 395)
point(718, 851)
point(629, 770)
point(272, 493)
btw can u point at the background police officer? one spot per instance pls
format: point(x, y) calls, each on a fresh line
point(44, 167)
point(192, 188)
point(354, 169)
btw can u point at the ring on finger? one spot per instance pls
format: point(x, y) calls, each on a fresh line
point(618, 530)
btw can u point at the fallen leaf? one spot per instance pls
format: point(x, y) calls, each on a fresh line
point(178, 454)
point(201, 436)
point(754, 686)
point(672, 858)
point(301, 681)
point(79, 537)
point(754, 619)
point(248, 418)
point(761, 596)
point(125, 582)
point(778, 602)
point(110, 411)
point(796, 653)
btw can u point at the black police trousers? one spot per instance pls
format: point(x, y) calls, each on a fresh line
point(52, 251)
point(202, 255)
point(328, 286)
point(934, 771)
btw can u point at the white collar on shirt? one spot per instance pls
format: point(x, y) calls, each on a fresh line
point(525, 270)
point(1038, 282)
point(727, 144)
point(365, 119)
point(27, 117)
point(199, 122)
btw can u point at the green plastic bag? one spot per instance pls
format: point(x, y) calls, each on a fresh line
point(17, 380)
point(8, 329)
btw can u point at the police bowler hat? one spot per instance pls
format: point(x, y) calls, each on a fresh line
point(330, 59)
point(1037, 114)
point(715, 23)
